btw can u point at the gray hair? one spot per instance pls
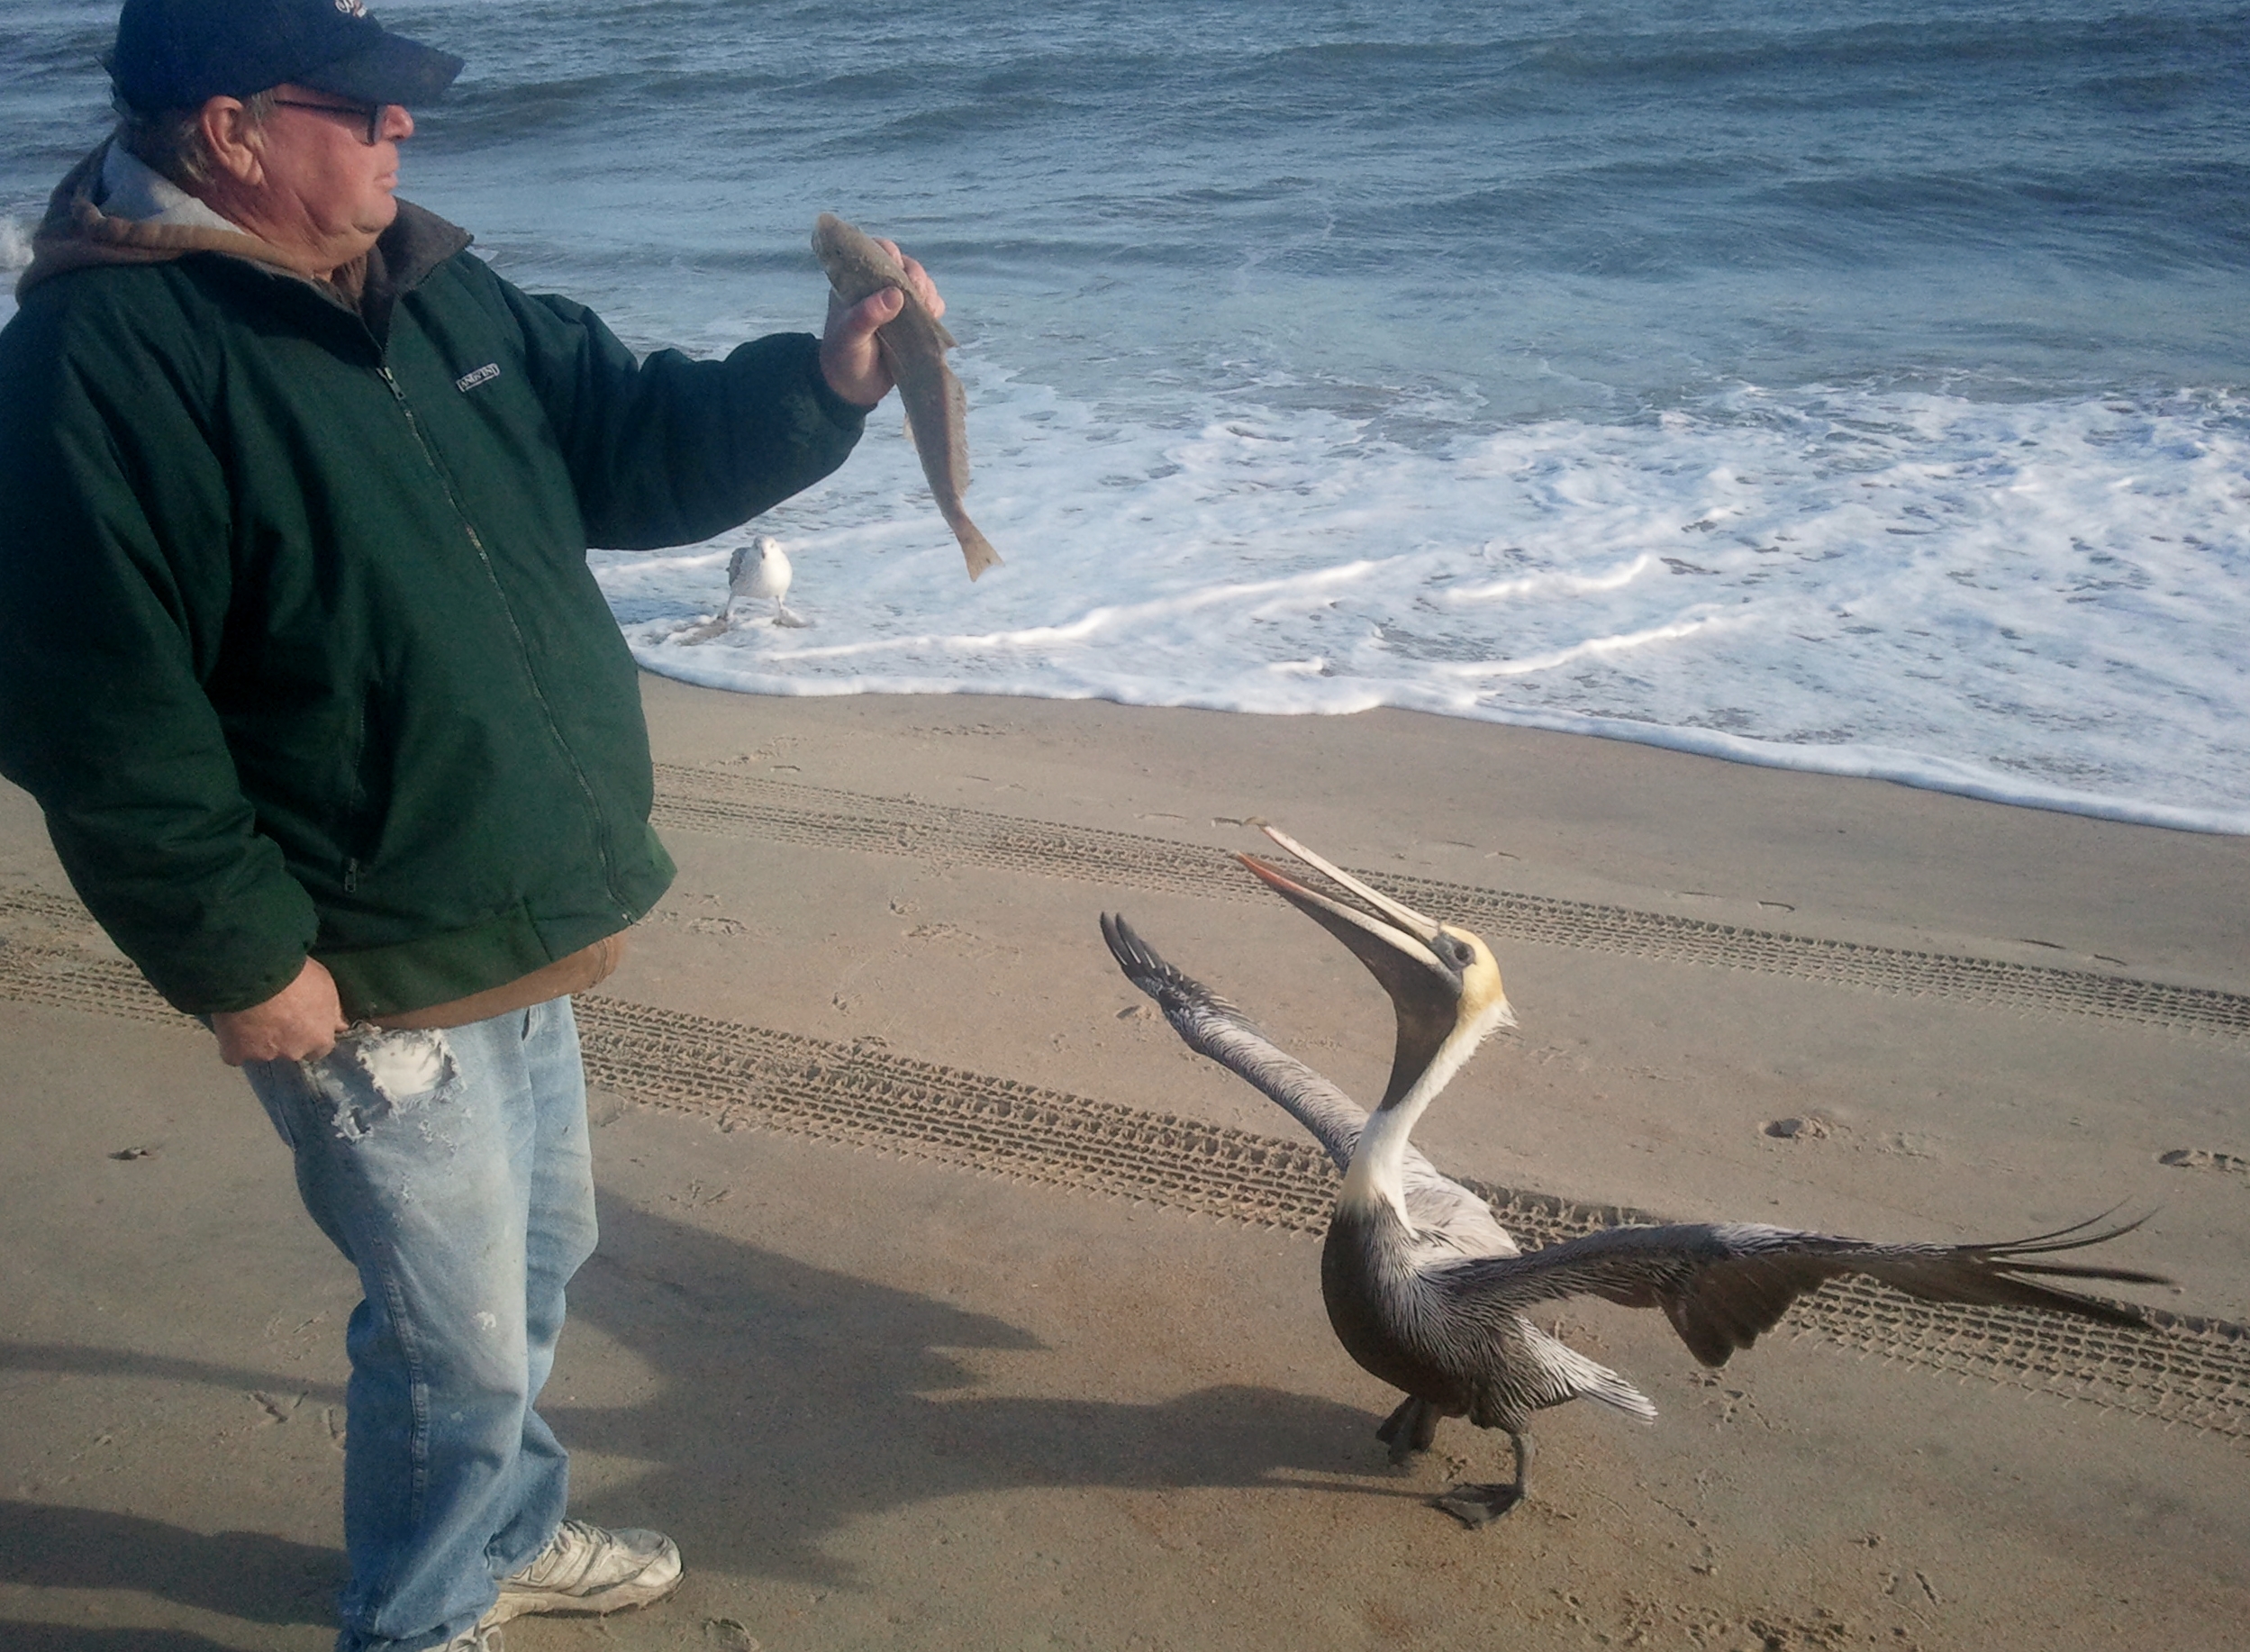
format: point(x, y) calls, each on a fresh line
point(170, 141)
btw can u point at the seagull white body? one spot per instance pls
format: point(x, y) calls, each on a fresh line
point(1427, 1290)
point(760, 569)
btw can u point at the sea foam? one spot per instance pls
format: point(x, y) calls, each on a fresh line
point(2041, 603)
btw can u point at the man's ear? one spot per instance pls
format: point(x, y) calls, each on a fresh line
point(233, 141)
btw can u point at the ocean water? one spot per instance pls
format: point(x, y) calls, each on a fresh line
point(1860, 387)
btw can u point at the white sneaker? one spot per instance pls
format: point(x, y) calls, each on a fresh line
point(588, 1571)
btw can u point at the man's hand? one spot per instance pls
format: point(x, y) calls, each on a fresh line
point(849, 359)
point(298, 1023)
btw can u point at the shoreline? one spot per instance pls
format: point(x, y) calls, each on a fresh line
point(1944, 775)
point(1558, 811)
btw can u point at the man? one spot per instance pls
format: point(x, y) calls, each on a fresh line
point(300, 657)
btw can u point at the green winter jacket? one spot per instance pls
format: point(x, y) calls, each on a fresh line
point(299, 651)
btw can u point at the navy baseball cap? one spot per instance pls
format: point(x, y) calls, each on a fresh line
point(174, 54)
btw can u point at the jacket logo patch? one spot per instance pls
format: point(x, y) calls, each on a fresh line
point(475, 377)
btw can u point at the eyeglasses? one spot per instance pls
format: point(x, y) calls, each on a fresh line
point(355, 113)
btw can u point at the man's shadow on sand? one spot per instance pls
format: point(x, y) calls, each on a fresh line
point(788, 1400)
point(792, 1401)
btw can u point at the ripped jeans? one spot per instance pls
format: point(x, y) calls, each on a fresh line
point(453, 1170)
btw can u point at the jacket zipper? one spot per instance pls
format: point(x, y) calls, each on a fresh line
point(523, 651)
point(355, 822)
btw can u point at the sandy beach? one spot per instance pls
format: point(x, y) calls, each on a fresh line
point(945, 1300)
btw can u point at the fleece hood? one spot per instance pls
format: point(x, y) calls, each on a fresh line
point(114, 208)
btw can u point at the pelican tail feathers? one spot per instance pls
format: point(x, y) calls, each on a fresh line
point(1561, 1373)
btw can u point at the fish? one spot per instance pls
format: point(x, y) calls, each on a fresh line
point(913, 345)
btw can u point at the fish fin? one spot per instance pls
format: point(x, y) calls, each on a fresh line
point(977, 550)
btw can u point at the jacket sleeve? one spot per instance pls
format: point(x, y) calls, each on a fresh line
point(115, 574)
point(668, 451)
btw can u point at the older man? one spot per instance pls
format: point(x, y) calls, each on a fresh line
point(300, 657)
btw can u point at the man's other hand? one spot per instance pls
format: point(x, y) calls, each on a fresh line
point(298, 1023)
point(850, 361)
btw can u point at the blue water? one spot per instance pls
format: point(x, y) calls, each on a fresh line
point(1860, 386)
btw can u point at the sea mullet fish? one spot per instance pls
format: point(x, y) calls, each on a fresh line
point(913, 345)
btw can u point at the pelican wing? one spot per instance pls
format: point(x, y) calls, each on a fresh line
point(1451, 1221)
point(1723, 1286)
point(1211, 1026)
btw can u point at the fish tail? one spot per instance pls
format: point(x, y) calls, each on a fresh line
point(976, 549)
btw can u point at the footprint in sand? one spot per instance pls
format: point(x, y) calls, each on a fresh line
point(2198, 1159)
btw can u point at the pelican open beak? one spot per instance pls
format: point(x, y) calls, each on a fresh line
point(1440, 979)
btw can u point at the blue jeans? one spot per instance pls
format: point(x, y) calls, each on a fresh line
point(453, 1169)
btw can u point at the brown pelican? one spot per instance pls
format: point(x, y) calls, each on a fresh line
point(1424, 1287)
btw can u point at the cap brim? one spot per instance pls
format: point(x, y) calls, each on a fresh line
point(394, 70)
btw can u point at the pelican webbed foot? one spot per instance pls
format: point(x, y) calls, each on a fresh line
point(1410, 1429)
point(1481, 1505)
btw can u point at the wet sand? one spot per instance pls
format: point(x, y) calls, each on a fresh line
point(886, 1345)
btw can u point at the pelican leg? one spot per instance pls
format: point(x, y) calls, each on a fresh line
point(1480, 1505)
point(1410, 1429)
point(1426, 1427)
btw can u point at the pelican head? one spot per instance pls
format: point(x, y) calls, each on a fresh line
point(1442, 980)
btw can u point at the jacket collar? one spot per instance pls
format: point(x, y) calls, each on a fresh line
point(112, 209)
point(129, 189)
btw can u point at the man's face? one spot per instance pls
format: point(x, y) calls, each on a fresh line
point(321, 170)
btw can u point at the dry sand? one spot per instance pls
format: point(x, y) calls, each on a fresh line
point(885, 1397)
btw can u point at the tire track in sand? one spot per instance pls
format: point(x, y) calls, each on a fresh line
point(733, 805)
point(2185, 1372)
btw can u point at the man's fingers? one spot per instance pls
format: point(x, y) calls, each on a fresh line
point(854, 327)
point(876, 308)
point(925, 288)
point(298, 1023)
point(312, 1046)
point(850, 358)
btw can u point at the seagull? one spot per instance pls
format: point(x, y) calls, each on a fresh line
point(1424, 1287)
point(761, 568)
